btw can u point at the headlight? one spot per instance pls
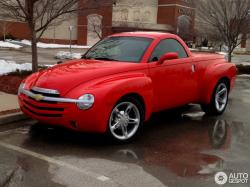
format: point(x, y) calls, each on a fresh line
point(21, 88)
point(85, 102)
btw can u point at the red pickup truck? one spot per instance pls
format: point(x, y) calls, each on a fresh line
point(122, 80)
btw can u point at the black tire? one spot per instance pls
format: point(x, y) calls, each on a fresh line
point(212, 108)
point(141, 110)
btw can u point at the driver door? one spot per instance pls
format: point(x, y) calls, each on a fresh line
point(174, 82)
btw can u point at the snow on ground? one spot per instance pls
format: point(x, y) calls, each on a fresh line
point(244, 75)
point(9, 45)
point(53, 46)
point(207, 48)
point(222, 53)
point(244, 64)
point(11, 66)
point(193, 49)
point(67, 55)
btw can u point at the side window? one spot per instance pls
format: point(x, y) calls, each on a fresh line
point(167, 46)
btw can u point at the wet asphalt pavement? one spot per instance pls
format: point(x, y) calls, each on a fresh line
point(177, 148)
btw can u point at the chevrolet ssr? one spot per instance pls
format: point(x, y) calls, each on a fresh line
point(122, 80)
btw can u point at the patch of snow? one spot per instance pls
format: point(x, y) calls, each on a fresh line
point(222, 53)
point(209, 169)
point(205, 48)
point(244, 75)
point(11, 66)
point(193, 49)
point(244, 64)
point(9, 45)
point(194, 115)
point(47, 65)
point(67, 55)
point(17, 42)
point(54, 46)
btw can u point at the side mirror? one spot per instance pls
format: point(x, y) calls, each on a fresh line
point(168, 56)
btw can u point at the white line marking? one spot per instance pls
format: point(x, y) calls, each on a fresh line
point(54, 161)
point(10, 131)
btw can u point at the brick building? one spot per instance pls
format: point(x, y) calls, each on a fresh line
point(122, 15)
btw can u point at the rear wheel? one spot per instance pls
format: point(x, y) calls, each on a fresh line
point(219, 100)
point(125, 120)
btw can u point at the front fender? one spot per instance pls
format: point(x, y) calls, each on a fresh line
point(140, 85)
point(109, 90)
point(212, 75)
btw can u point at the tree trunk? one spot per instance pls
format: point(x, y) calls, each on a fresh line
point(34, 52)
point(229, 56)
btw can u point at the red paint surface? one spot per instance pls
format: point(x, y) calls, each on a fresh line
point(161, 86)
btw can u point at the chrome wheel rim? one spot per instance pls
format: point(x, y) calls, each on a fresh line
point(124, 120)
point(221, 97)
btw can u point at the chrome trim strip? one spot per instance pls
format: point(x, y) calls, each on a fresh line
point(40, 97)
point(45, 90)
point(182, 6)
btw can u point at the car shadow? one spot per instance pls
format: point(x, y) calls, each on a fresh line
point(57, 134)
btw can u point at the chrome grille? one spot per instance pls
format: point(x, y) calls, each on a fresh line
point(45, 92)
point(53, 109)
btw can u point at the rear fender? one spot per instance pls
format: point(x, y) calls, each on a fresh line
point(213, 74)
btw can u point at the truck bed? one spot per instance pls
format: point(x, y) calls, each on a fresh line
point(203, 56)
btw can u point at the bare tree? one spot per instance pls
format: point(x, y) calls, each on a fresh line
point(184, 29)
point(40, 14)
point(230, 19)
point(95, 25)
point(206, 32)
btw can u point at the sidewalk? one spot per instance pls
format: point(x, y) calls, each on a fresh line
point(8, 102)
point(9, 109)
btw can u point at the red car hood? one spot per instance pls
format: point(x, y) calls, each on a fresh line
point(67, 76)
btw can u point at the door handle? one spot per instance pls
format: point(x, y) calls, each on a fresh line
point(193, 68)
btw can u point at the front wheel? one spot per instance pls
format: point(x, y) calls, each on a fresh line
point(125, 120)
point(219, 100)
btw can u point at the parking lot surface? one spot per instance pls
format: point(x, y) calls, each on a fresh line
point(180, 147)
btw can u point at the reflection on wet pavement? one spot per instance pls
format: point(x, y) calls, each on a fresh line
point(176, 147)
point(178, 144)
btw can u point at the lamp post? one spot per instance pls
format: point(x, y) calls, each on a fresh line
point(70, 37)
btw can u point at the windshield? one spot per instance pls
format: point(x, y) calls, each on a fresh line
point(126, 49)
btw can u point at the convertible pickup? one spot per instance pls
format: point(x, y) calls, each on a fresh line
point(122, 80)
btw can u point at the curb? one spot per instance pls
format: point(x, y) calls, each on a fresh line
point(10, 118)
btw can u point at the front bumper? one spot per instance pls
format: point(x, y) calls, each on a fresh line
point(62, 112)
point(40, 97)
